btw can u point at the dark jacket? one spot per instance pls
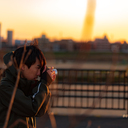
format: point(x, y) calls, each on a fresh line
point(28, 103)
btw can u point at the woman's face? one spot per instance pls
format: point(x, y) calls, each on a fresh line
point(31, 73)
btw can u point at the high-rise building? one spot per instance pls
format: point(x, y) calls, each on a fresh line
point(0, 37)
point(10, 38)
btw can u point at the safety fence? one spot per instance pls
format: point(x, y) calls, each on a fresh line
point(90, 89)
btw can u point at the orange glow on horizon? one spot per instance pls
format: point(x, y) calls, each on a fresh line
point(63, 19)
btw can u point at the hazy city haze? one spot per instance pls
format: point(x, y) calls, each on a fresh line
point(63, 19)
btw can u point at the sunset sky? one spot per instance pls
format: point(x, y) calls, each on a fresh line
point(63, 19)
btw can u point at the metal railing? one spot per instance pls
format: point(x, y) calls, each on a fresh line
point(90, 89)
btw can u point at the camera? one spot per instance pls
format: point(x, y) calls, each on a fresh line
point(44, 74)
point(55, 71)
point(49, 68)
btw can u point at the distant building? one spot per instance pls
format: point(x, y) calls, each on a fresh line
point(10, 38)
point(21, 42)
point(4, 43)
point(0, 37)
point(124, 47)
point(116, 47)
point(56, 46)
point(83, 46)
point(66, 45)
point(44, 44)
point(101, 44)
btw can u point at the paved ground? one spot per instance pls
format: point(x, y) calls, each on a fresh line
point(59, 121)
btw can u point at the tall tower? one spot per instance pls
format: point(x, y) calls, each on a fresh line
point(10, 37)
point(89, 20)
point(0, 37)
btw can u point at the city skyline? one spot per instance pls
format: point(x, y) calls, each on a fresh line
point(59, 19)
point(14, 41)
